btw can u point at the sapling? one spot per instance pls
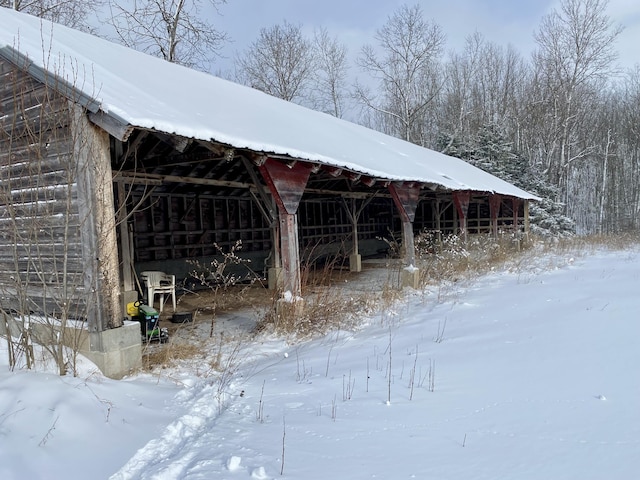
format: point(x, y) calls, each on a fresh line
point(260, 412)
point(432, 375)
point(49, 433)
point(368, 376)
point(301, 374)
point(347, 387)
point(216, 277)
point(389, 371)
point(440, 335)
point(326, 372)
point(412, 375)
point(334, 409)
point(284, 434)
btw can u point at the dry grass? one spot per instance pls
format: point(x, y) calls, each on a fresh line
point(167, 355)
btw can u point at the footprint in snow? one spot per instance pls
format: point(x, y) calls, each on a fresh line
point(233, 463)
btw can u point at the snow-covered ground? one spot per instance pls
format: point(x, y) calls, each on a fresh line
point(523, 374)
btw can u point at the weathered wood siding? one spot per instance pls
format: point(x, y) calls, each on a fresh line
point(41, 262)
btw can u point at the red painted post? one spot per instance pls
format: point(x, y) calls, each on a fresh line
point(287, 182)
point(406, 199)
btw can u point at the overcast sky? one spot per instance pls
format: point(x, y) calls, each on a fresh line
point(354, 22)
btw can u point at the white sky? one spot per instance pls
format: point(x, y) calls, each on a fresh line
point(354, 22)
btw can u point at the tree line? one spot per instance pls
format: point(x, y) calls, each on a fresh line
point(562, 122)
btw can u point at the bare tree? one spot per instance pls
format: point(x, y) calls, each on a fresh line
point(72, 13)
point(175, 30)
point(280, 62)
point(461, 71)
point(629, 149)
point(483, 86)
point(330, 90)
point(575, 53)
point(406, 73)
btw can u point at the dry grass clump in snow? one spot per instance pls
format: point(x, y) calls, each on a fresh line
point(448, 258)
point(320, 312)
point(167, 355)
point(326, 305)
point(585, 244)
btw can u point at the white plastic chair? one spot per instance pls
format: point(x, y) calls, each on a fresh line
point(159, 283)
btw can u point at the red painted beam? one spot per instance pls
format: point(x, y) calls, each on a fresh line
point(406, 197)
point(286, 182)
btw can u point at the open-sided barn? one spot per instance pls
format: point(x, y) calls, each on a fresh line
point(113, 162)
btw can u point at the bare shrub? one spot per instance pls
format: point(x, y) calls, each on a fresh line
point(217, 278)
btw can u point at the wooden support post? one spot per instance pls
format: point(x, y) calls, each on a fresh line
point(516, 210)
point(516, 228)
point(437, 213)
point(355, 260)
point(527, 225)
point(406, 197)
point(353, 212)
point(287, 183)
point(274, 280)
point(290, 253)
point(495, 201)
point(461, 200)
point(125, 246)
point(97, 224)
point(129, 291)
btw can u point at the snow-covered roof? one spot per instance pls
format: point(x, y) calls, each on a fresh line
point(150, 93)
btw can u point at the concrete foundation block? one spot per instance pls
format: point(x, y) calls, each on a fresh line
point(116, 352)
point(410, 277)
point(355, 262)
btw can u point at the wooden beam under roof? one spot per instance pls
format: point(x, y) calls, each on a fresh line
point(156, 179)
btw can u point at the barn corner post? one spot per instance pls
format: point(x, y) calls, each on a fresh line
point(114, 345)
point(287, 182)
point(405, 197)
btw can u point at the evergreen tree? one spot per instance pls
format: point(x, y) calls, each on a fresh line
point(490, 151)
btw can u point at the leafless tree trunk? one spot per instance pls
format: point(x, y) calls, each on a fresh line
point(629, 147)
